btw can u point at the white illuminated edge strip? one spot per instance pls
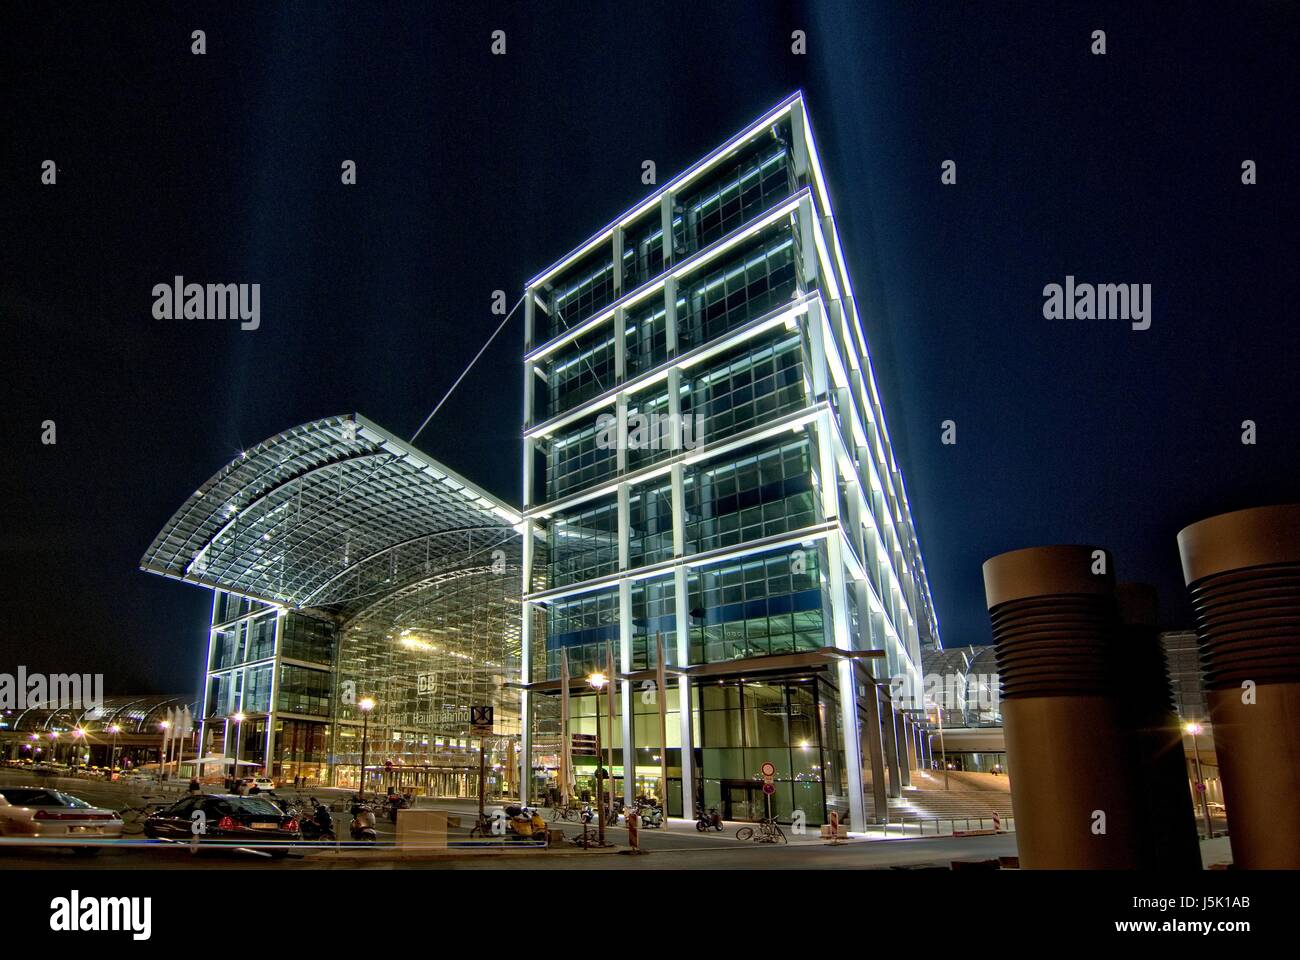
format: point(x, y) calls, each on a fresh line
point(832, 255)
point(807, 535)
point(881, 456)
point(471, 492)
point(703, 257)
point(475, 496)
point(819, 178)
point(748, 331)
point(790, 423)
point(693, 172)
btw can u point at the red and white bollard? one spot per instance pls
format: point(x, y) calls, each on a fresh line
point(633, 833)
point(997, 822)
point(835, 828)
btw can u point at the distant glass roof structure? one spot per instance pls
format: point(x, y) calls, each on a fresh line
point(133, 715)
point(337, 514)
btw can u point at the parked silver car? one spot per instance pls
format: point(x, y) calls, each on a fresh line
point(45, 814)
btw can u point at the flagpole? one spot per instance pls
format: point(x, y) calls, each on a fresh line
point(184, 732)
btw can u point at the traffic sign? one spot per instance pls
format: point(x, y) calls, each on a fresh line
point(769, 788)
point(768, 769)
point(480, 721)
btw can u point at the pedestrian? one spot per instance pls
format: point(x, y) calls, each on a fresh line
point(195, 786)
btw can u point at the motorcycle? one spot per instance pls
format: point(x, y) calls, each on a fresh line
point(703, 821)
point(320, 826)
point(363, 824)
point(394, 804)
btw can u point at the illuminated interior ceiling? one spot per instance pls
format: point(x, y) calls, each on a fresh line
point(337, 514)
point(428, 652)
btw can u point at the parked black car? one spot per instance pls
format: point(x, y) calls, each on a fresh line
point(226, 817)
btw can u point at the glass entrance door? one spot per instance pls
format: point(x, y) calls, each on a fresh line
point(742, 800)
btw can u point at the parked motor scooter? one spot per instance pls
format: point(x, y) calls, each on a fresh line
point(525, 823)
point(703, 821)
point(651, 816)
point(320, 826)
point(363, 823)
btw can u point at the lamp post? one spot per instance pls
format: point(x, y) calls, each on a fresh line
point(112, 760)
point(162, 751)
point(365, 705)
point(239, 738)
point(1194, 729)
point(597, 681)
point(54, 746)
point(77, 735)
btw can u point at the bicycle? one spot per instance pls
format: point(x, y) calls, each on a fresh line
point(565, 811)
point(482, 828)
point(766, 830)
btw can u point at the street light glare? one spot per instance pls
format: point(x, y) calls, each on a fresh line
point(238, 718)
point(597, 680)
point(367, 704)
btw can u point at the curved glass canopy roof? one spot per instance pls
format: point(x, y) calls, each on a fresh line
point(336, 514)
point(131, 715)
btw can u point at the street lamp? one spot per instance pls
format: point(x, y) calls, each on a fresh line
point(239, 742)
point(597, 681)
point(367, 704)
point(162, 751)
point(1194, 729)
point(112, 762)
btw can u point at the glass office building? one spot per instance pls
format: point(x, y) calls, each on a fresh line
point(346, 565)
point(707, 471)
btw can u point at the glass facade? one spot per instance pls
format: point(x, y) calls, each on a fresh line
point(742, 505)
point(384, 579)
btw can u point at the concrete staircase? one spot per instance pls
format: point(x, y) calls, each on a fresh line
point(927, 799)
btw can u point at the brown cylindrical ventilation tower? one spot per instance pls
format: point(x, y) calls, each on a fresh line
point(1243, 572)
point(1168, 831)
point(1069, 754)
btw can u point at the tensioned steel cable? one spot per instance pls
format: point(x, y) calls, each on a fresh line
point(480, 353)
point(392, 458)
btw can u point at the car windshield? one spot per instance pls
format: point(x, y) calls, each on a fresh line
point(30, 797)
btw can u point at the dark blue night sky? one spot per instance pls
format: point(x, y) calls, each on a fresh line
point(475, 171)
